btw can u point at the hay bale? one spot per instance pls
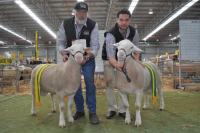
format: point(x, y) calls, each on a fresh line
point(167, 83)
point(9, 73)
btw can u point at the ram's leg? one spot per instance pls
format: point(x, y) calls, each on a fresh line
point(69, 109)
point(53, 110)
point(138, 102)
point(33, 109)
point(146, 101)
point(160, 93)
point(126, 104)
point(62, 109)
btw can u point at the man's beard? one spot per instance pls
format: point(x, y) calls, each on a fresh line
point(81, 21)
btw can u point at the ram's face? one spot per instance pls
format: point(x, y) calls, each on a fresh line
point(125, 48)
point(121, 54)
point(78, 51)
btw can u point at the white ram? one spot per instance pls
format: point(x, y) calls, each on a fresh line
point(61, 79)
point(135, 79)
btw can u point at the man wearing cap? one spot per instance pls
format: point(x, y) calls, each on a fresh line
point(122, 30)
point(82, 27)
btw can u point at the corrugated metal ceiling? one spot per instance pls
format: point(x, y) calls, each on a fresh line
point(52, 12)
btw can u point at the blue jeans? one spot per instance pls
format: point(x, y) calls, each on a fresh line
point(88, 70)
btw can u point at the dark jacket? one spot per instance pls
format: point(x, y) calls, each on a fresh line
point(118, 37)
point(70, 31)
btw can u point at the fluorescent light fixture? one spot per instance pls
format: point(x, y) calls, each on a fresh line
point(133, 5)
point(35, 17)
point(175, 15)
point(7, 55)
point(176, 37)
point(1, 42)
point(73, 12)
point(14, 33)
point(150, 11)
point(80, 0)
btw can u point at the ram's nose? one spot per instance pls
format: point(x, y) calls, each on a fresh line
point(79, 58)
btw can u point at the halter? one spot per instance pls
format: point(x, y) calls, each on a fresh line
point(73, 55)
point(77, 53)
point(124, 70)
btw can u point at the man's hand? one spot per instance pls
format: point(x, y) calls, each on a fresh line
point(85, 59)
point(119, 66)
point(89, 53)
point(65, 58)
point(136, 55)
point(115, 64)
point(65, 55)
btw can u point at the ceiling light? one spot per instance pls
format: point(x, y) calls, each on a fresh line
point(73, 12)
point(150, 11)
point(7, 54)
point(1, 42)
point(14, 33)
point(176, 37)
point(80, 0)
point(35, 17)
point(175, 15)
point(133, 5)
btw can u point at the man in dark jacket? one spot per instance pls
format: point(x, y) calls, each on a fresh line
point(82, 27)
point(122, 30)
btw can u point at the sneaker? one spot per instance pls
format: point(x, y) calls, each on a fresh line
point(78, 115)
point(93, 118)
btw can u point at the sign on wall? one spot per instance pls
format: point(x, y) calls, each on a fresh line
point(190, 39)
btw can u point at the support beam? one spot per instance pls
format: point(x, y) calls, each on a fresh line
point(13, 25)
point(111, 6)
point(6, 1)
point(46, 10)
point(36, 46)
point(158, 17)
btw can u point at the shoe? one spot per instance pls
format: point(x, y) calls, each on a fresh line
point(123, 115)
point(78, 115)
point(93, 118)
point(111, 114)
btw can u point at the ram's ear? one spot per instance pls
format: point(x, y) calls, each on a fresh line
point(116, 44)
point(137, 49)
point(67, 50)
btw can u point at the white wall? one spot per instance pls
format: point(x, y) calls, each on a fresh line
point(99, 62)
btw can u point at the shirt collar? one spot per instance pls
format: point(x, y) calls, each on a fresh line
point(127, 31)
point(76, 23)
